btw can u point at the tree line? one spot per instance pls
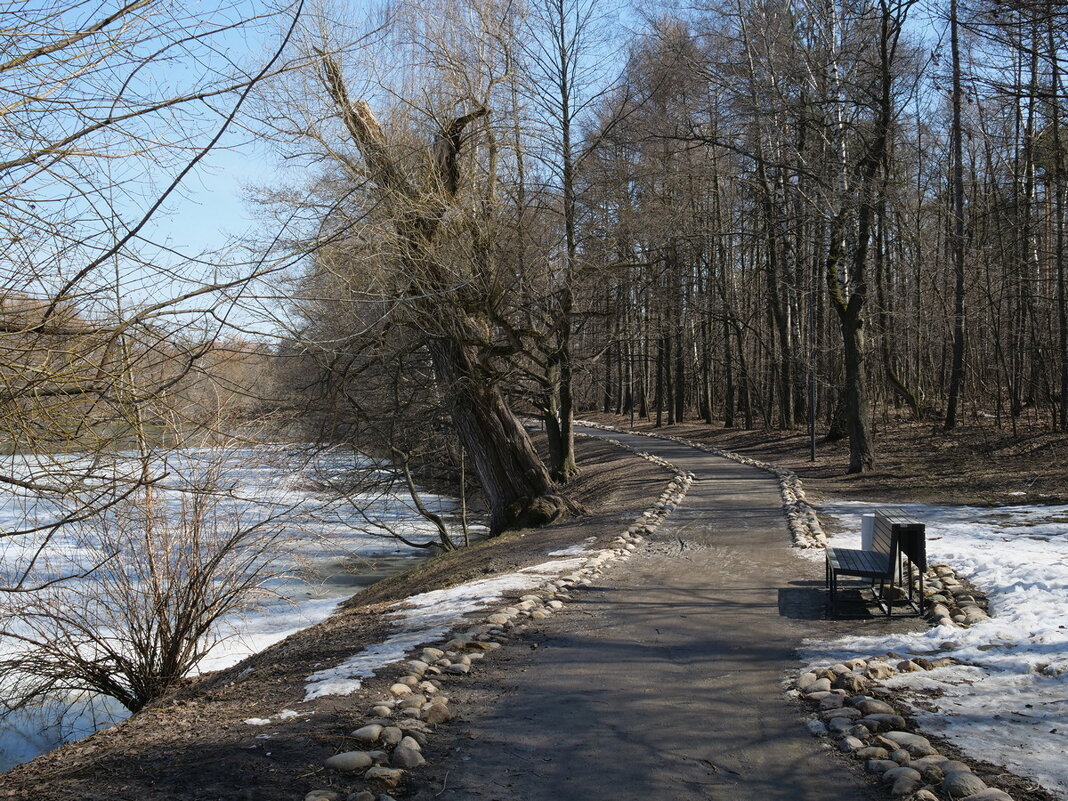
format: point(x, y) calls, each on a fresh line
point(759, 214)
point(756, 213)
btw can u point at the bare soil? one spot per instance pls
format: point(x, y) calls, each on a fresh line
point(195, 745)
point(918, 462)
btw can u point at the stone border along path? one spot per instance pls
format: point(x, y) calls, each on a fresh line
point(801, 517)
point(392, 736)
point(869, 728)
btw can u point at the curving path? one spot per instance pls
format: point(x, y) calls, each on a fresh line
point(663, 680)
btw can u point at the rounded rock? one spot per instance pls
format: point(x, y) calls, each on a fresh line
point(871, 752)
point(905, 785)
point(848, 745)
point(323, 795)
point(916, 745)
point(851, 683)
point(842, 712)
point(816, 727)
point(872, 706)
point(880, 765)
point(349, 761)
point(404, 757)
point(436, 713)
point(390, 777)
point(989, 794)
point(902, 757)
point(883, 722)
point(953, 766)
point(367, 734)
point(879, 671)
point(961, 784)
point(897, 772)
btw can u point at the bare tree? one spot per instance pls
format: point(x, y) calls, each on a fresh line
point(98, 130)
point(159, 569)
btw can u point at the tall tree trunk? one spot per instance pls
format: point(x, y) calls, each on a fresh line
point(956, 378)
point(513, 477)
point(516, 483)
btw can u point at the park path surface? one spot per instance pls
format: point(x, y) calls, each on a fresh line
point(663, 680)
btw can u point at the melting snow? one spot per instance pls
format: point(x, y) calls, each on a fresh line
point(574, 550)
point(427, 618)
point(281, 717)
point(1008, 704)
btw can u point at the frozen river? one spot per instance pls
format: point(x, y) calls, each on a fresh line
point(325, 548)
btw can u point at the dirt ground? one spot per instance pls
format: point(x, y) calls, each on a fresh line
point(976, 465)
point(195, 745)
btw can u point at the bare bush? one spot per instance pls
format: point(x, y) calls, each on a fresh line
point(170, 562)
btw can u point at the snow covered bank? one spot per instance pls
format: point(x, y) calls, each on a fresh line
point(1008, 702)
point(431, 616)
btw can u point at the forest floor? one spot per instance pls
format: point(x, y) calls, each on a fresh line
point(915, 462)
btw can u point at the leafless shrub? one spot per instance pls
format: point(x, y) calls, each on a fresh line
point(169, 564)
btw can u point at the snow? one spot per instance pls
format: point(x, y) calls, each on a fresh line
point(429, 617)
point(1008, 702)
point(574, 550)
point(281, 717)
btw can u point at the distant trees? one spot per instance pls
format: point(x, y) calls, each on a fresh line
point(800, 193)
point(777, 212)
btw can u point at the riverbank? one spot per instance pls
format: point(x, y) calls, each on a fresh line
point(196, 744)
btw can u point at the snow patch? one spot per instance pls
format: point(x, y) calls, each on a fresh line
point(574, 550)
point(281, 717)
point(426, 618)
point(1008, 704)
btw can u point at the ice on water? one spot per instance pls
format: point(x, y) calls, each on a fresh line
point(325, 541)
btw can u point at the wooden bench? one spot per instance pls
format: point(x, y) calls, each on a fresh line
point(896, 536)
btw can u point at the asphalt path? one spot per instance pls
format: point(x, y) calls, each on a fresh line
point(664, 679)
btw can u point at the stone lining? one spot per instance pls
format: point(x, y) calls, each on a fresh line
point(949, 601)
point(374, 758)
point(853, 715)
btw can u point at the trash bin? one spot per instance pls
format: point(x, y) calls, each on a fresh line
point(867, 532)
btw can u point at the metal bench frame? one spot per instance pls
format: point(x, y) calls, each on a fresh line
point(896, 536)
